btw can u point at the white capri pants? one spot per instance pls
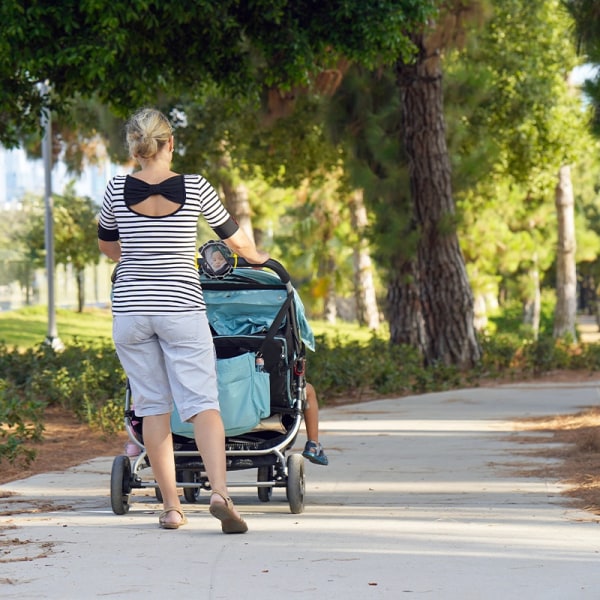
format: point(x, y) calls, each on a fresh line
point(168, 358)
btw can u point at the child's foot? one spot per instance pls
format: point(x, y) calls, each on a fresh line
point(314, 452)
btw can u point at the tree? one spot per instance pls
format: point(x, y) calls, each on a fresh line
point(20, 232)
point(586, 18)
point(439, 289)
point(364, 119)
point(396, 134)
point(317, 237)
point(520, 123)
point(283, 45)
point(130, 53)
point(76, 238)
point(566, 276)
point(364, 287)
point(76, 235)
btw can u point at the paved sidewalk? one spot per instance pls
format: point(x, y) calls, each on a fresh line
point(587, 327)
point(421, 500)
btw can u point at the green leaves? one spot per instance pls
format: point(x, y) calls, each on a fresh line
point(518, 122)
point(129, 53)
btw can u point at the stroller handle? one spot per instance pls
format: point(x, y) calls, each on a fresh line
point(272, 264)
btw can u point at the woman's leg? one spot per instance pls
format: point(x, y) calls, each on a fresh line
point(190, 360)
point(210, 439)
point(159, 445)
point(142, 359)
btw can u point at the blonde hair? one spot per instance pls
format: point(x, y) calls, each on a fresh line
point(148, 130)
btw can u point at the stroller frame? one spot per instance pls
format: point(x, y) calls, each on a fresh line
point(262, 448)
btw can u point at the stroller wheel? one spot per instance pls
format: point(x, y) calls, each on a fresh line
point(264, 474)
point(191, 494)
point(158, 494)
point(295, 483)
point(120, 485)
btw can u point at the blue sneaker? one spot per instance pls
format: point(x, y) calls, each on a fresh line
point(314, 452)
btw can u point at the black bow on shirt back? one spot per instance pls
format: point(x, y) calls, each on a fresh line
point(137, 190)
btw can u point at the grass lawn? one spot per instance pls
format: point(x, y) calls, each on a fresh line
point(28, 327)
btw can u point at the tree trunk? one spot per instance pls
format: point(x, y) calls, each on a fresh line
point(330, 300)
point(445, 303)
point(236, 202)
point(566, 273)
point(235, 197)
point(364, 286)
point(80, 277)
point(532, 310)
point(405, 316)
point(480, 318)
point(28, 279)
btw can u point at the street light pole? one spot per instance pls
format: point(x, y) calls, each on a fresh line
point(52, 338)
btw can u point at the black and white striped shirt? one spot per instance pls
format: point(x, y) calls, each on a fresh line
point(157, 273)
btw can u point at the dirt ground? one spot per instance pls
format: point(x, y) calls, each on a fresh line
point(67, 442)
point(575, 441)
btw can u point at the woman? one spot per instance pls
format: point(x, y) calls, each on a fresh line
point(148, 225)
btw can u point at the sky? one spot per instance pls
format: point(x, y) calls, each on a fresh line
point(583, 72)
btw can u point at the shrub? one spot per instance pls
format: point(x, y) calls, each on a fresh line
point(357, 369)
point(499, 352)
point(545, 354)
point(84, 378)
point(587, 357)
point(21, 421)
point(88, 379)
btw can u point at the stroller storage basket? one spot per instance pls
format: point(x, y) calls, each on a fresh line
point(243, 396)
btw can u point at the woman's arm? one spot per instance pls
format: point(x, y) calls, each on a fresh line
point(241, 244)
point(111, 249)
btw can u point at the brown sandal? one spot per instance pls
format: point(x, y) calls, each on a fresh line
point(164, 524)
point(230, 522)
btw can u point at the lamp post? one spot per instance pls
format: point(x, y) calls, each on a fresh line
point(52, 338)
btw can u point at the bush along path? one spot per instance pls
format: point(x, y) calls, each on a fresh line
point(87, 381)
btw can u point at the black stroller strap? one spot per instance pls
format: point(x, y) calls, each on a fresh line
point(295, 332)
point(276, 324)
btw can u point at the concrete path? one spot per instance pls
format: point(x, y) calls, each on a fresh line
point(587, 328)
point(421, 500)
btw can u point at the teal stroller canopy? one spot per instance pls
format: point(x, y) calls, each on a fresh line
point(250, 311)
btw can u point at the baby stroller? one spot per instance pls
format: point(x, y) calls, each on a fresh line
point(260, 335)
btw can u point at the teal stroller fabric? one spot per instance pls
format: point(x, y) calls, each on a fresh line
point(244, 392)
point(251, 311)
point(243, 395)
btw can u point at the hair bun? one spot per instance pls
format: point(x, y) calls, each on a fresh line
point(148, 130)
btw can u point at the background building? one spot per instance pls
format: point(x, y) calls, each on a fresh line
point(20, 175)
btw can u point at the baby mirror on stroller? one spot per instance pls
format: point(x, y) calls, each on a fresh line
point(216, 259)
